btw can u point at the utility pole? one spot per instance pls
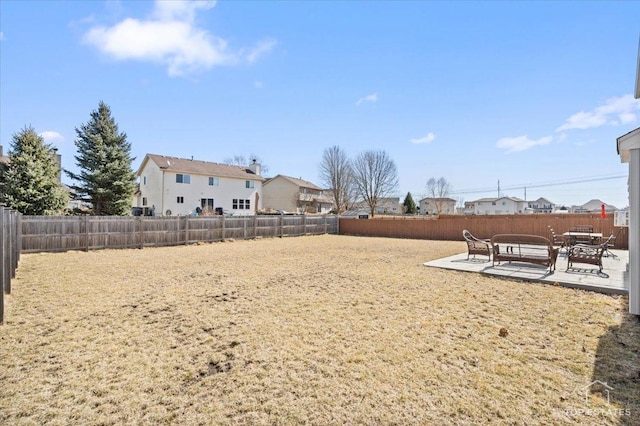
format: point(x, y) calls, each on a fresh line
point(525, 193)
point(498, 188)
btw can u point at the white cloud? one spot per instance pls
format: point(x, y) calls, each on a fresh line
point(430, 137)
point(369, 98)
point(615, 111)
point(171, 38)
point(260, 49)
point(521, 143)
point(2, 36)
point(51, 136)
point(257, 84)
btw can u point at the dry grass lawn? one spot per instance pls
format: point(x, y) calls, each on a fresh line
point(315, 330)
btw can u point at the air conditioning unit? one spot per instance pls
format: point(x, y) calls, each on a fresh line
point(621, 218)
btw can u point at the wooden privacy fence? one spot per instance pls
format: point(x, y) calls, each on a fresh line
point(450, 227)
point(9, 251)
point(62, 233)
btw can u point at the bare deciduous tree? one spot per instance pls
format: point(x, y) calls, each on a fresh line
point(337, 175)
point(241, 160)
point(375, 176)
point(438, 189)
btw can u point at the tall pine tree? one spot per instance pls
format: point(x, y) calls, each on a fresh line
point(409, 205)
point(106, 179)
point(30, 181)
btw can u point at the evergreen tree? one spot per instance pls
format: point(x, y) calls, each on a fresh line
point(409, 204)
point(106, 179)
point(30, 181)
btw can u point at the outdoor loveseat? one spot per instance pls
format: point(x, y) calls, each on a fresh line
point(586, 253)
point(524, 248)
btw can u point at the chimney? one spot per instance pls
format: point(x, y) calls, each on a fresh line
point(58, 158)
point(255, 167)
point(0, 150)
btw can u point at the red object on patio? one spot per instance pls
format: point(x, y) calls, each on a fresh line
point(603, 212)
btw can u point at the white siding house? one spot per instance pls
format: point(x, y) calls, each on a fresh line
point(503, 205)
point(434, 206)
point(629, 150)
point(173, 186)
point(295, 196)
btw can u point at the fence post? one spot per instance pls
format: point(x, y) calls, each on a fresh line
point(255, 225)
point(223, 226)
point(141, 232)
point(18, 237)
point(281, 226)
point(13, 230)
point(86, 232)
point(6, 251)
point(186, 230)
point(304, 224)
point(2, 236)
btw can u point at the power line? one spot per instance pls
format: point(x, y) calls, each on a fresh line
point(539, 185)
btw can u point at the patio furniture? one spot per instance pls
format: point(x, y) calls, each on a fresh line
point(557, 240)
point(582, 237)
point(586, 253)
point(524, 248)
point(581, 234)
point(609, 243)
point(476, 246)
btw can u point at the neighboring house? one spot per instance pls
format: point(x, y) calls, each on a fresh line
point(433, 206)
point(384, 206)
point(295, 195)
point(541, 205)
point(502, 205)
point(593, 206)
point(173, 186)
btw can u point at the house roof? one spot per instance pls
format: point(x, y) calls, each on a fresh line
point(437, 199)
point(626, 142)
point(485, 200)
point(199, 167)
point(296, 181)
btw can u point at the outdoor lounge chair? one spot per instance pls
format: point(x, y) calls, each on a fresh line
point(559, 241)
point(476, 246)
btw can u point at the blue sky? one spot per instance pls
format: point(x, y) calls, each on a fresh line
point(530, 94)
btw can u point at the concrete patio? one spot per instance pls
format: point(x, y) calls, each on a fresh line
point(614, 278)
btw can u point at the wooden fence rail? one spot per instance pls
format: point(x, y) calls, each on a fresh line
point(62, 233)
point(10, 238)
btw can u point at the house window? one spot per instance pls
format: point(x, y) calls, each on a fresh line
point(241, 204)
point(144, 201)
point(214, 181)
point(180, 200)
point(207, 203)
point(183, 178)
point(249, 184)
point(493, 203)
point(144, 180)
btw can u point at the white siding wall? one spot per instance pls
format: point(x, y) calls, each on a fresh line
point(162, 191)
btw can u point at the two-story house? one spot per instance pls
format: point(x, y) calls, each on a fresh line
point(388, 205)
point(173, 186)
point(436, 206)
point(502, 205)
point(295, 195)
point(541, 205)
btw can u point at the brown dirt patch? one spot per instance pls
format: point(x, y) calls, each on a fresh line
point(320, 330)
